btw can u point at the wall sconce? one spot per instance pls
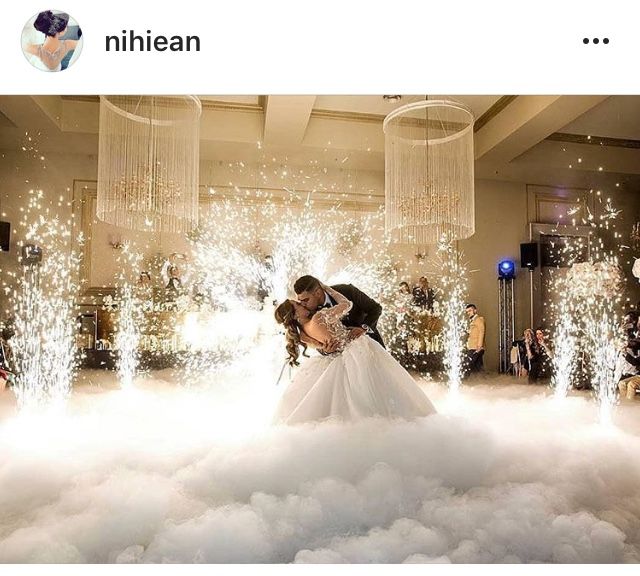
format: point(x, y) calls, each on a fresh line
point(116, 242)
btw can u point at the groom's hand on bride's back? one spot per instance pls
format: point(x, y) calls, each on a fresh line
point(356, 333)
point(330, 346)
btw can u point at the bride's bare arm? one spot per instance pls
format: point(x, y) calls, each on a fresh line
point(343, 304)
point(342, 307)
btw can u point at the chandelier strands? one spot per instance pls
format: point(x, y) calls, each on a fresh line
point(148, 162)
point(429, 188)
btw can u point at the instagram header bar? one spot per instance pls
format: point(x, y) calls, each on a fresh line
point(336, 46)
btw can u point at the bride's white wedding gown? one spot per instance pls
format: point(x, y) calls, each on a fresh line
point(360, 381)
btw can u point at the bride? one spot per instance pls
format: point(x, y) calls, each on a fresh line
point(359, 380)
point(49, 54)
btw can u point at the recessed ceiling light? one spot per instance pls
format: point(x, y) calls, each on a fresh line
point(392, 97)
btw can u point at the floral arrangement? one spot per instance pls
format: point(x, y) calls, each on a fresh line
point(588, 279)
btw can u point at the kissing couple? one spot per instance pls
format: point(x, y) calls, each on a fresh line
point(354, 377)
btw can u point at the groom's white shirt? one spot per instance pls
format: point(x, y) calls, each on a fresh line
point(327, 300)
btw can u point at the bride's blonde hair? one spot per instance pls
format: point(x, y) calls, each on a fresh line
point(285, 314)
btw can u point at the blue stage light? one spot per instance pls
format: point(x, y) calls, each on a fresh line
point(507, 269)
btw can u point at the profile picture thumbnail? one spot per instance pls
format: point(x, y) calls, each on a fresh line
point(51, 41)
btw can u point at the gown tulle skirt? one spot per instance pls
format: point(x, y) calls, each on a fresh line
point(361, 382)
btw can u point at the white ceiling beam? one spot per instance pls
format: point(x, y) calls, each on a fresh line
point(286, 119)
point(33, 113)
point(525, 122)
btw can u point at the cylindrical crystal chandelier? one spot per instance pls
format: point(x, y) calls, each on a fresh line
point(148, 162)
point(429, 191)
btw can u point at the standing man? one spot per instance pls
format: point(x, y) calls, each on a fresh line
point(475, 341)
point(423, 295)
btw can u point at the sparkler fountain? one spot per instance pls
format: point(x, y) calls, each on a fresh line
point(129, 319)
point(43, 302)
point(564, 356)
point(565, 313)
point(595, 287)
point(229, 257)
point(302, 246)
point(603, 334)
point(454, 287)
point(127, 337)
point(587, 312)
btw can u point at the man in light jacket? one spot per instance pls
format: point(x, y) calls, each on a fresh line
point(475, 340)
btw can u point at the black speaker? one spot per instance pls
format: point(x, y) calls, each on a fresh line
point(529, 255)
point(5, 234)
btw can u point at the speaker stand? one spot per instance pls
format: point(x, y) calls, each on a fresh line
point(506, 309)
point(531, 298)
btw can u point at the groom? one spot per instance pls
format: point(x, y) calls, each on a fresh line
point(362, 318)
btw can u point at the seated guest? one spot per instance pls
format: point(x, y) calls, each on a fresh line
point(174, 286)
point(423, 295)
point(544, 349)
point(403, 299)
point(514, 359)
point(628, 387)
point(264, 282)
point(532, 355)
point(518, 358)
point(7, 366)
point(628, 360)
point(174, 260)
point(144, 288)
point(631, 325)
point(475, 339)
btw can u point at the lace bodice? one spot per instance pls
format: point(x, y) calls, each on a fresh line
point(331, 318)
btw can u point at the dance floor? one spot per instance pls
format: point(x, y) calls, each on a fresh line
point(167, 472)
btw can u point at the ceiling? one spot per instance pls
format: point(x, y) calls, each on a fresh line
point(532, 139)
point(377, 105)
point(615, 117)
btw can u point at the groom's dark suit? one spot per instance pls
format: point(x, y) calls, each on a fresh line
point(365, 310)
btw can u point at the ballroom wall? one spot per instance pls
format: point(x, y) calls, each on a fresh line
point(501, 225)
point(502, 217)
point(23, 171)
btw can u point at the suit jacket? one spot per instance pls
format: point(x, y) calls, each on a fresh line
point(423, 299)
point(365, 310)
point(476, 333)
